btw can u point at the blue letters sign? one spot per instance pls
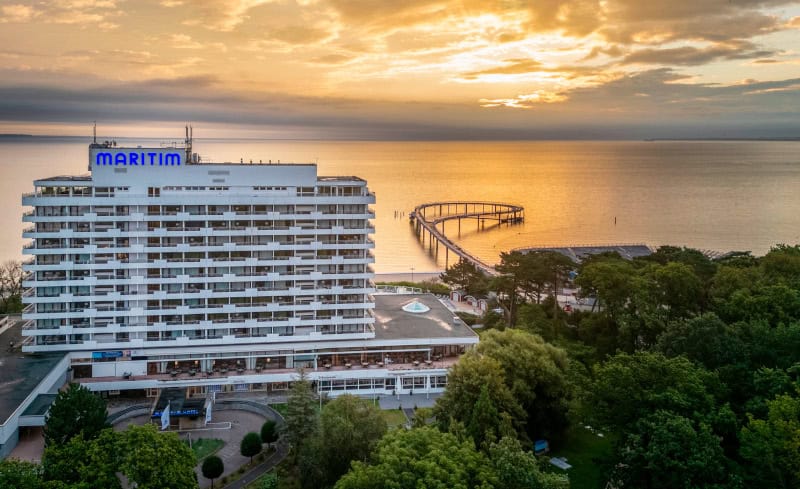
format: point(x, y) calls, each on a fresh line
point(106, 354)
point(137, 157)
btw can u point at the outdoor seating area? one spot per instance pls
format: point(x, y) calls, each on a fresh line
point(229, 370)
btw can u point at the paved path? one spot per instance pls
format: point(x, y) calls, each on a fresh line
point(30, 446)
point(280, 453)
point(242, 422)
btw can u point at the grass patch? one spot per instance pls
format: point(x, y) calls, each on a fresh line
point(281, 408)
point(394, 417)
point(203, 447)
point(284, 408)
point(585, 451)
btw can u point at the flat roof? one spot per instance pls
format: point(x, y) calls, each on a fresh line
point(179, 404)
point(393, 323)
point(20, 373)
point(66, 178)
point(40, 405)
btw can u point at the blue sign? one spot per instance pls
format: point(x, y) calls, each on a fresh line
point(178, 413)
point(138, 157)
point(106, 354)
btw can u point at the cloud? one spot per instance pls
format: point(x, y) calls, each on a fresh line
point(510, 67)
point(69, 12)
point(183, 41)
point(526, 101)
point(17, 13)
point(223, 15)
point(691, 55)
point(331, 59)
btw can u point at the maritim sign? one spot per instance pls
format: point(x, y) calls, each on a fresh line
point(136, 157)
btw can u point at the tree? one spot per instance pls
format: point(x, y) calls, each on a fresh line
point(701, 265)
point(422, 417)
point(465, 382)
point(17, 474)
point(212, 468)
point(771, 446)
point(350, 430)
point(301, 414)
point(483, 426)
point(610, 280)
point(515, 468)
point(704, 339)
point(421, 458)
point(466, 276)
point(629, 387)
point(75, 411)
point(680, 290)
point(666, 450)
point(251, 445)
point(535, 372)
point(155, 460)
point(11, 275)
point(730, 279)
point(91, 463)
point(782, 264)
point(269, 432)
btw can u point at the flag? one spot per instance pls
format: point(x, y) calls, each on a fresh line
point(165, 418)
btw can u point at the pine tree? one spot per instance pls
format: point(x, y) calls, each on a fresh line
point(483, 425)
point(302, 421)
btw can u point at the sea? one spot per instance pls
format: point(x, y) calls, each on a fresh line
point(712, 195)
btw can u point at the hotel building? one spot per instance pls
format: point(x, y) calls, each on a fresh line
point(157, 270)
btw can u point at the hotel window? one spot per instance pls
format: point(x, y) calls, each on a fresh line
point(153, 191)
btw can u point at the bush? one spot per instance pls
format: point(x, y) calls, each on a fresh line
point(224, 480)
point(269, 481)
point(251, 445)
point(269, 432)
point(212, 468)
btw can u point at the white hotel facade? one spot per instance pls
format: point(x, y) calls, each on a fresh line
point(157, 271)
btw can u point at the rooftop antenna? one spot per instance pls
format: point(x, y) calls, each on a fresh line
point(94, 132)
point(188, 144)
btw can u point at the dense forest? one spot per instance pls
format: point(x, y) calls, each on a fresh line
point(693, 364)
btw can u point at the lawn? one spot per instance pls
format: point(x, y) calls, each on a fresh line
point(281, 408)
point(583, 450)
point(284, 407)
point(394, 417)
point(203, 447)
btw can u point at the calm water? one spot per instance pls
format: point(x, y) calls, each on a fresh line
point(713, 195)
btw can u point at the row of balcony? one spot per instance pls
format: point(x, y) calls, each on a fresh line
point(30, 296)
point(282, 306)
point(308, 325)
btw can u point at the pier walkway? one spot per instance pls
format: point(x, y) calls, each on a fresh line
point(429, 218)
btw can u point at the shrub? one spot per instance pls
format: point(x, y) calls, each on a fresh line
point(269, 432)
point(212, 468)
point(251, 445)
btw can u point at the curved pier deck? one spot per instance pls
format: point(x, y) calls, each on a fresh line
point(428, 218)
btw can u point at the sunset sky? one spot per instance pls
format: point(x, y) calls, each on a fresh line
point(404, 69)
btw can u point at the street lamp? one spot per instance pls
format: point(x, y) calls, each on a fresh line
point(412, 274)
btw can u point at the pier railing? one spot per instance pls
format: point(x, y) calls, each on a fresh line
point(429, 218)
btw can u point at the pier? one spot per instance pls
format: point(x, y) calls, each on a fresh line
point(429, 221)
